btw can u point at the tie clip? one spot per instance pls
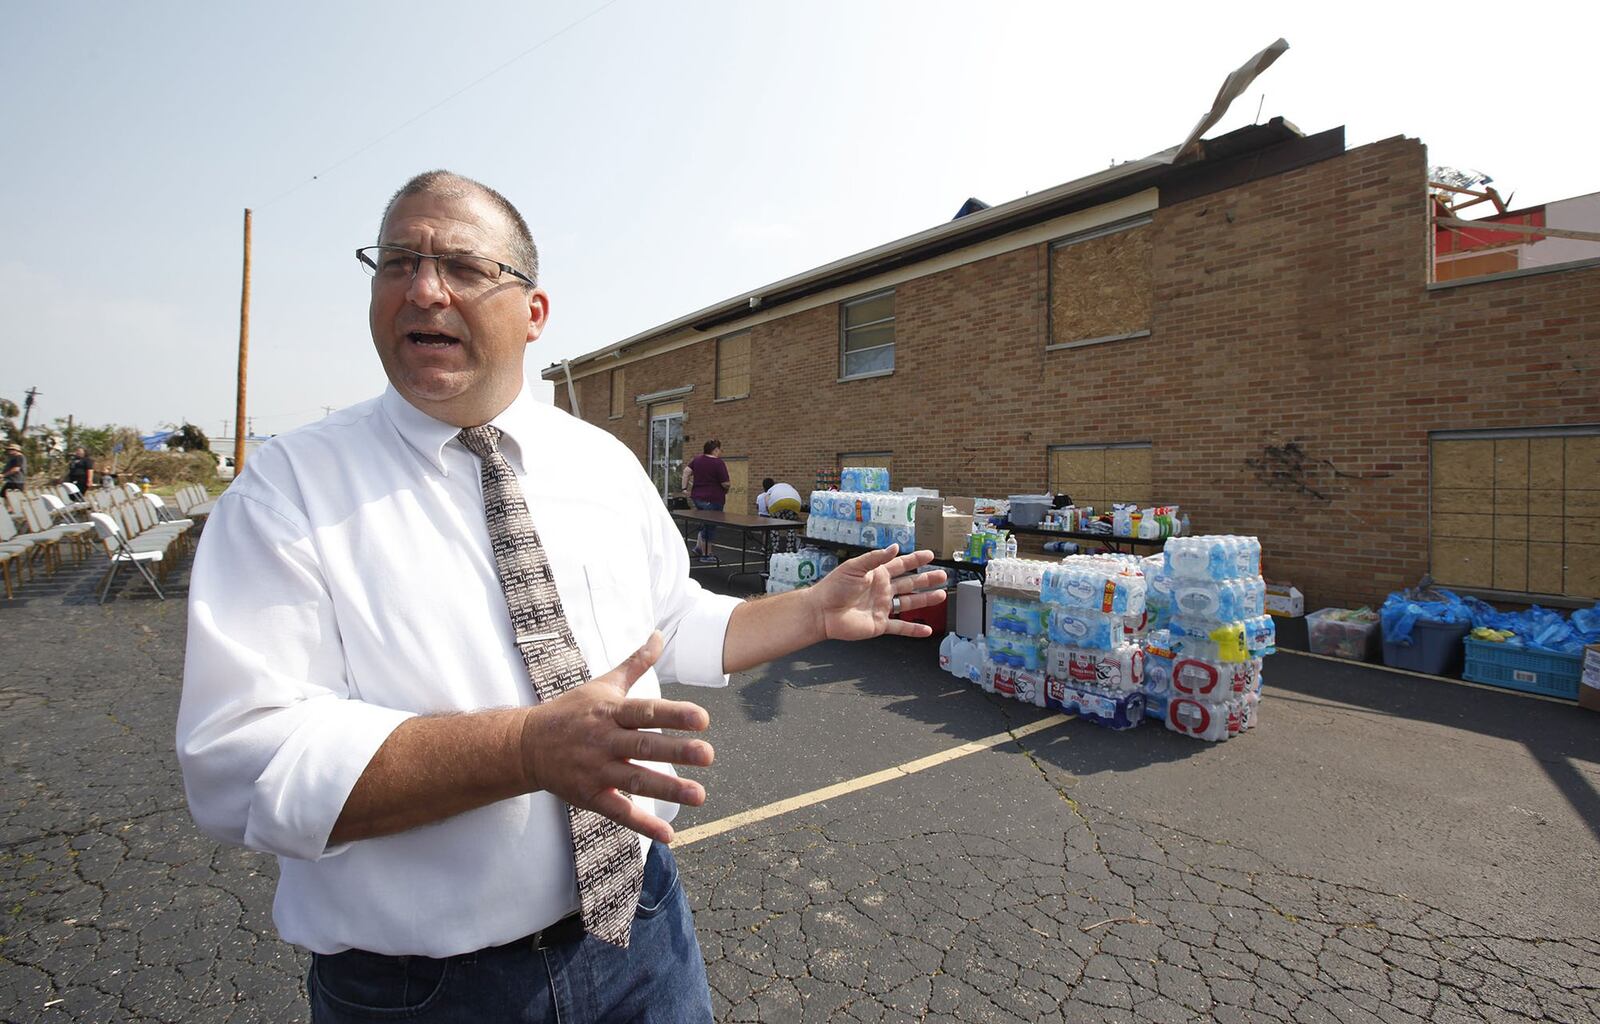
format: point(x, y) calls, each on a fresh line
point(537, 638)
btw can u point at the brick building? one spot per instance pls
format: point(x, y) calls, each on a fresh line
point(1253, 332)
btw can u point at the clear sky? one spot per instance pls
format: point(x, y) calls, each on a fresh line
point(666, 155)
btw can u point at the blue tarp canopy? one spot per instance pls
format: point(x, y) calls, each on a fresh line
point(157, 440)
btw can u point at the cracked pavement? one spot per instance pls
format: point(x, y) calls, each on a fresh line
point(1382, 849)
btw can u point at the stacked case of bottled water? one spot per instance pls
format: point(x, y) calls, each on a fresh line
point(791, 570)
point(1209, 632)
point(873, 519)
point(864, 478)
point(1094, 662)
point(1016, 628)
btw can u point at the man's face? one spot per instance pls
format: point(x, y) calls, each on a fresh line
point(79, 452)
point(457, 358)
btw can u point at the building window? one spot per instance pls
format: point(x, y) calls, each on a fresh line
point(733, 366)
point(1516, 511)
point(1100, 285)
point(866, 336)
point(1100, 475)
point(618, 389)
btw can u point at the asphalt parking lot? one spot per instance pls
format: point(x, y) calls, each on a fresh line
point(884, 843)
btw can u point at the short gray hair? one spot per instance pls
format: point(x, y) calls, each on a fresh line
point(449, 185)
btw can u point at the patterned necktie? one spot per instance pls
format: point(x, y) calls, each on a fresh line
point(610, 871)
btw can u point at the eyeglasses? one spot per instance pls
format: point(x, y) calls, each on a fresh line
point(464, 273)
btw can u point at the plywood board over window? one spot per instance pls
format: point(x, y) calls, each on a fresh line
point(733, 365)
point(1100, 286)
point(1103, 475)
point(1517, 511)
point(739, 499)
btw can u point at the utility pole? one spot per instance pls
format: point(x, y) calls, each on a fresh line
point(69, 433)
point(27, 409)
point(327, 410)
point(244, 347)
point(224, 429)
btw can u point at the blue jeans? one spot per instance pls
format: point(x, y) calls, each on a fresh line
point(660, 977)
point(708, 531)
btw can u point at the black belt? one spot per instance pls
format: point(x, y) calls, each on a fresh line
point(564, 932)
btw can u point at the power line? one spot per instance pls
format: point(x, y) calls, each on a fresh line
point(408, 123)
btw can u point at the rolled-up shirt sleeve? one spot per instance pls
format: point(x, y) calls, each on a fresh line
point(270, 739)
point(693, 621)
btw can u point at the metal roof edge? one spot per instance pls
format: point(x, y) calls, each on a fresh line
point(996, 220)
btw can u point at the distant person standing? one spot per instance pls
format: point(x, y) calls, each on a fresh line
point(706, 480)
point(778, 500)
point(16, 471)
point(80, 471)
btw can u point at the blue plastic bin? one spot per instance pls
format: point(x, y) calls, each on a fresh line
point(1435, 648)
point(1517, 668)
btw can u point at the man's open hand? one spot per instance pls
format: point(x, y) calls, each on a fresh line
point(855, 600)
point(582, 746)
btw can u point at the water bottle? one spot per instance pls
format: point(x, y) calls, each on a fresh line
point(946, 648)
point(1011, 546)
point(1261, 636)
point(979, 653)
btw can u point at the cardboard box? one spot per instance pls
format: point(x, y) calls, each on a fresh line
point(1589, 682)
point(941, 533)
point(1284, 601)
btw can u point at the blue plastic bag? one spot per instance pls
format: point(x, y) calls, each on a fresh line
point(1543, 629)
point(1402, 610)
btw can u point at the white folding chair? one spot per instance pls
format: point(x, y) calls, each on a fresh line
point(119, 553)
point(59, 518)
point(15, 550)
point(165, 514)
point(46, 538)
point(72, 498)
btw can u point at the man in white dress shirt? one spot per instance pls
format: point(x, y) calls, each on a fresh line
point(355, 700)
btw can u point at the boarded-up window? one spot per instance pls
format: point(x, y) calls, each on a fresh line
point(733, 365)
point(618, 388)
point(866, 336)
point(1101, 475)
point(1517, 511)
point(739, 499)
point(1100, 285)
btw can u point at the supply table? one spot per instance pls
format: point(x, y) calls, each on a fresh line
point(1110, 540)
point(764, 527)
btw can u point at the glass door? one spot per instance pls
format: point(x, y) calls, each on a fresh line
point(666, 448)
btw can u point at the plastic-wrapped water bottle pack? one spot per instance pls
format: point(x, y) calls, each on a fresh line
point(873, 519)
point(791, 570)
point(863, 478)
point(1113, 639)
point(1208, 634)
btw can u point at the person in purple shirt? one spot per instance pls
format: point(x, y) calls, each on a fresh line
point(708, 491)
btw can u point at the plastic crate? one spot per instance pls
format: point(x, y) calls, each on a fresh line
point(1337, 638)
point(1517, 668)
point(1435, 648)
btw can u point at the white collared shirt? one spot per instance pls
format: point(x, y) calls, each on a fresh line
point(345, 583)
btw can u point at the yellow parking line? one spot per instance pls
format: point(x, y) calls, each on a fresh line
point(899, 771)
